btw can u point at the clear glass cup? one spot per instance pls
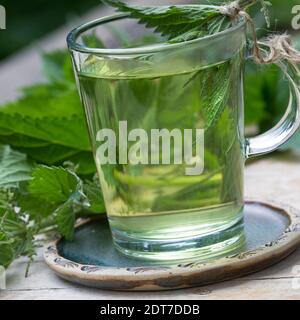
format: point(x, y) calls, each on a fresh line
point(178, 195)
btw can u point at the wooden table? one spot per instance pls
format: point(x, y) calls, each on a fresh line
point(276, 177)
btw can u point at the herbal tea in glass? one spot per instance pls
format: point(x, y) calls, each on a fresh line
point(166, 126)
point(155, 210)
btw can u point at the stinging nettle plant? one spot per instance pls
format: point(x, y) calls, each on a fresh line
point(181, 23)
point(187, 22)
point(50, 198)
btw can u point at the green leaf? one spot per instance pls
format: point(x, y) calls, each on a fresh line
point(255, 105)
point(35, 207)
point(6, 250)
point(215, 91)
point(266, 93)
point(70, 132)
point(59, 193)
point(54, 190)
point(11, 222)
point(57, 67)
point(50, 154)
point(53, 184)
point(15, 236)
point(185, 22)
point(18, 140)
point(85, 163)
point(46, 114)
point(65, 219)
point(14, 167)
point(173, 21)
point(94, 197)
point(48, 122)
point(46, 100)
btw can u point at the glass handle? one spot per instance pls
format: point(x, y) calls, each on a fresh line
point(289, 123)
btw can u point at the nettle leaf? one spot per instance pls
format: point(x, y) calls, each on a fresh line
point(48, 123)
point(216, 84)
point(62, 192)
point(10, 222)
point(175, 22)
point(94, 197)
point(6, 250)
point(47, 114)
point(14, 167)
point(12, 247)
point(57, 66)
point(36, 208)
point(19, 140)
point(65, 219)
point(50, 154)
point(85, 163)
point(15, 235)
point(255, 104)
point(53, 184)
point(45, 100)
point(70, 132)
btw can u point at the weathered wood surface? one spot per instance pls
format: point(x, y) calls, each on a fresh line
point(276, 178)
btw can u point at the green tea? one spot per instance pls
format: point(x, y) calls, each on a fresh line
point(152, 206)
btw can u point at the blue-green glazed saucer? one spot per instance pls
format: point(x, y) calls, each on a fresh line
point(272, 232)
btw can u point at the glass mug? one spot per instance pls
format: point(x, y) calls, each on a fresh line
point(166, 125)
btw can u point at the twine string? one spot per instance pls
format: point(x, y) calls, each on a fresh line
point(279, 46)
